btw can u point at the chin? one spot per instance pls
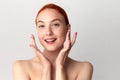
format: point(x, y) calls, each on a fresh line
point(53, 49)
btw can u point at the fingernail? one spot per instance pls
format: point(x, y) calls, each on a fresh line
point(30, 45)
point(75, 33)
point(30, 35)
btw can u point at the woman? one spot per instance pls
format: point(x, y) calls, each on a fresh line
point(52, 63)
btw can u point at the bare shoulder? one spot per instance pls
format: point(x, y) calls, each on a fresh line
point(86, 65)
point(21, 63)
point(20, 70)
point(82, 64)
point(24, 69)
point(84, 69)
point(21, 66)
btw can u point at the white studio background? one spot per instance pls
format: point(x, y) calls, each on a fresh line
point(96, 21)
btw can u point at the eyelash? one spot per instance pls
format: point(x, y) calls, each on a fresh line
point(41, 26)
point(56, 25)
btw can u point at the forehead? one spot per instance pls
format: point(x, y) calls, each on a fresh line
point(49, 14)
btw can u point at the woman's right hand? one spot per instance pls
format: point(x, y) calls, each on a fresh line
point(43, 60)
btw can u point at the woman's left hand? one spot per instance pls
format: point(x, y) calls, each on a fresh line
point(60, 61)
point(66, 49)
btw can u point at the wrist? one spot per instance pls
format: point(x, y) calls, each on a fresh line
point(46, 67)
point(60, 73)
point(59, 68)
point(46, 73)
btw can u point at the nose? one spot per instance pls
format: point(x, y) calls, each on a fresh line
point(49, 31)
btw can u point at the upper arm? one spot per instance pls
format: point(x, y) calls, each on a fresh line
point(19, 71)
point(86, 72)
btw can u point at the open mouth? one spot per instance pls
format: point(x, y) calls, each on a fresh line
point(50, 40)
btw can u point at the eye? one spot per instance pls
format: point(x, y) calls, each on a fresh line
point(41, 26)
point(56, 25)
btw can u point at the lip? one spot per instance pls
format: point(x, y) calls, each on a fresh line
point(50, 40)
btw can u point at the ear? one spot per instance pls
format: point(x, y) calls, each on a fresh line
point(68, 27)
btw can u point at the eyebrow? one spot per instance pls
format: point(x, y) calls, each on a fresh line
point(51, 21)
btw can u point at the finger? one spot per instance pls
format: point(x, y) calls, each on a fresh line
point(65, 51)
point(33, 40)
point(74, 39)
point(33, 44)
point(67, 41)
point(69, 45)
point(40, 56)
point(68, 35)
point(44, 61)
point(66, 47)
point(36, 50)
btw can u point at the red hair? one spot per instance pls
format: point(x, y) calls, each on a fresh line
point(56, 7)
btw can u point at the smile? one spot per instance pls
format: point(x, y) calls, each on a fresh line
point(50, 40)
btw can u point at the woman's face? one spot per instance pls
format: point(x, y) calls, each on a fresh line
point(51, 29)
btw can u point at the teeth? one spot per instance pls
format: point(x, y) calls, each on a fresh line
point(50, 40)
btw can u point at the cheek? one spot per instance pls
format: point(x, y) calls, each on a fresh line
point(62, 35)
point(40, 36)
